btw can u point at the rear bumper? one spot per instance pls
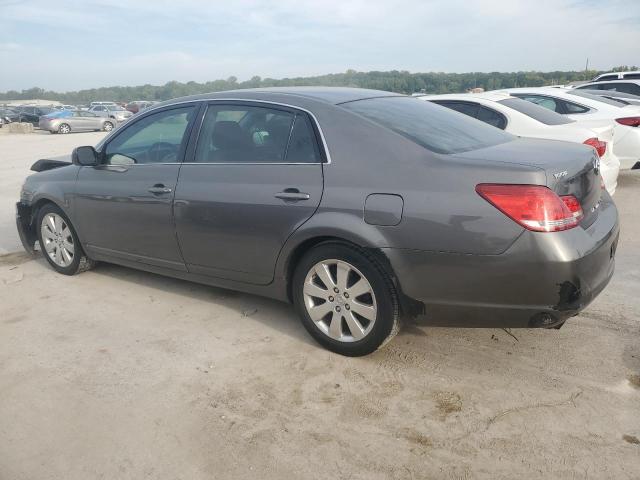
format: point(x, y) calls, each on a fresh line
point(540, 281)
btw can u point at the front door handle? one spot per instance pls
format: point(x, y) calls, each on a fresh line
point(159, 189)
point(292, 194)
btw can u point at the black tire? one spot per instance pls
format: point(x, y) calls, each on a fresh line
point(387, 321)
point(80, 261)
point(64, 128)
point(107, 128)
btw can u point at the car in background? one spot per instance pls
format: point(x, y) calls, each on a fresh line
point(111, 111)
point(622, 97)
point(8, 115)
point(65, 107)
point(625, 86)
point(632, 75)
point(526, 119)
point(592, 111)
point(364, 206)
point(31, 114)
point(110, 104)
point(138, 105)
point(76, 121)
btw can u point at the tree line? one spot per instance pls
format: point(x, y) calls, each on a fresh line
point(395, 81)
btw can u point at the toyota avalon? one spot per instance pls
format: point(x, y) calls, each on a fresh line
point(357, 206)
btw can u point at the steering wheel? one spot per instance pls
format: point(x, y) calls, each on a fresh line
point(163, 152)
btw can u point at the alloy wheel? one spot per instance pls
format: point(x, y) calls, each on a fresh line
point(340, 300)
point(58, 239)
point(64, 128)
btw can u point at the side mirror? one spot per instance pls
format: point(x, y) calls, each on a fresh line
point(84, 156)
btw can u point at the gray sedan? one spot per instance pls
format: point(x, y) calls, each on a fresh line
point(357, 206)
point(76, 121)
point(112, 111)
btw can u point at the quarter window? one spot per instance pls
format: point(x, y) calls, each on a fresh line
point(492, 117)
point(157, 138)
point(574, 108)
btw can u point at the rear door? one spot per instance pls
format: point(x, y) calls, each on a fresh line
point(253, 177)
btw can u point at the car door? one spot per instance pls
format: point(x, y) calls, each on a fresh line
point(255, 176)
point(91, 121)
point(123, 206)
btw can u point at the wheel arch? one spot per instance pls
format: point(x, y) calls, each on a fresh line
point(407, 305)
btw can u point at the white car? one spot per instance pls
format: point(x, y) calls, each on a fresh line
point(631, 75)
point(526, 119)
point(625, 86)
point(592, 111)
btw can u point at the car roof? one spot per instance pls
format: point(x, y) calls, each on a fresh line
point(604, 82)
point(493, 96)
point(330, 95)
point(619, 74)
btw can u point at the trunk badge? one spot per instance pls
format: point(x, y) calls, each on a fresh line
point(560, 174)
point(596, 165)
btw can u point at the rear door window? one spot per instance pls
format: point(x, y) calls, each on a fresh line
point(468, 108)
point(631, 88)
point(537, 112)
point(546, 102)
point(254, 134)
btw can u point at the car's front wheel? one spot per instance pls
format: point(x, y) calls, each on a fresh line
point(59, 242)
point(107, 127)
point(346, 299)
point(64, 128)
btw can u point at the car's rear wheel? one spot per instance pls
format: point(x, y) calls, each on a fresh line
point(64, 128)
point(346, 299)
point(107, 127)
point(59, 242)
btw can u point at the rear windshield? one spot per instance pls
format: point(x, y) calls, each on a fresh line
point(541, 114)
point(432, 126)
point(608, 101)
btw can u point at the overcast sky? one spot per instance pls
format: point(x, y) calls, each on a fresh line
point(67, 45)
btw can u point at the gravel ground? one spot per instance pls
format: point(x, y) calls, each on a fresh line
point(123, 374)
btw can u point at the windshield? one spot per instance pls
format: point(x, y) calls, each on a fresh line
point(536, 112)
point(432, 126)
point(608, 101)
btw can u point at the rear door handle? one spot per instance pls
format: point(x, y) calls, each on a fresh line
point(292, 194)
point(159, 189)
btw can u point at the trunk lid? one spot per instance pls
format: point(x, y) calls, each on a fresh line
point(570, 168)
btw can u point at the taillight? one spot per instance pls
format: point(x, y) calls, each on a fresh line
point(535, 207)
point(629, 121)
point(600, 146)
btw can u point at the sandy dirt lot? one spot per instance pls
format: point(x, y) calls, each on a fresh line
point(119, 374)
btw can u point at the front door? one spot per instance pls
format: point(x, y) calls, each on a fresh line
point(254, 178)
point(123, 207)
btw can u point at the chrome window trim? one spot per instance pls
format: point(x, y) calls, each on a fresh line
point(325, 146)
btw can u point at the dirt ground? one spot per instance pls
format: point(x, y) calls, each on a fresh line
point(119, 374)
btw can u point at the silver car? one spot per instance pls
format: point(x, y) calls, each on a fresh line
point(112, 111)
point(75, 122)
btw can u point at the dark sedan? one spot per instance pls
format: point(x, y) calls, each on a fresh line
point(356, 205)
point(31, 114)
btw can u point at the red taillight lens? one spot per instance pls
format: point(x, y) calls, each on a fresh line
point(600, 146)
point(629, 121)
point(534, 207)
